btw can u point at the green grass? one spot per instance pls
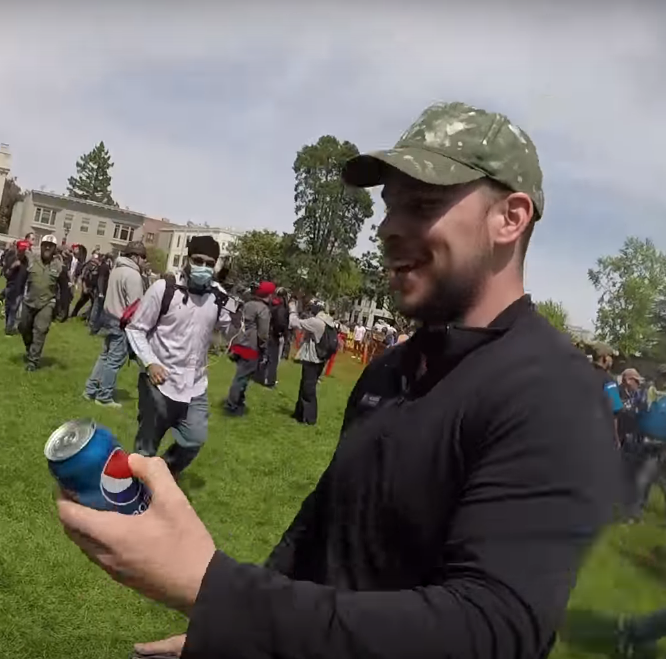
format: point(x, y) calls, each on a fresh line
point(246, 485)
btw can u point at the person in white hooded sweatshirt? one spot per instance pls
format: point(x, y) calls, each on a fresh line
point(125, 286)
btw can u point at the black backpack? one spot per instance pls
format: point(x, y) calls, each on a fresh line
point(328, 344)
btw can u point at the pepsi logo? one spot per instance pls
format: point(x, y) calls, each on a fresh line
point(118, 485)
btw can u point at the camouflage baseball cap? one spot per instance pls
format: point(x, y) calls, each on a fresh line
point(452, 143)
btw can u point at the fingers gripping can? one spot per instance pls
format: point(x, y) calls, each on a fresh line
point(92, 468)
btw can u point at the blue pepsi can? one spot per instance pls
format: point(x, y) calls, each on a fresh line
point(92, 468)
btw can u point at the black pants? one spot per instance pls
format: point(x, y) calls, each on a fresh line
point(306, 405)
point(81, 302)
point(273, 352)
point(64, 301)
point(157, 413)
point(245, 369)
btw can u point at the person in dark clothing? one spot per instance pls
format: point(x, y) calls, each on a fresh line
point(438, 529)
point(89, 274)
point(64, 288)
point(276, 337)
point(101, 285)
point(17, 277)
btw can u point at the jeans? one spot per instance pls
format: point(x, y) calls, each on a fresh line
point(34, 326)
point(158, 413)
point(646, 462)
point(95, 319)
point(12, 307)
point(306, 406)
point(102, 381)
point(245, 369)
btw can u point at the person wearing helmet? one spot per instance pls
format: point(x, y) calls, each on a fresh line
point(39, 301)
point(125, 287)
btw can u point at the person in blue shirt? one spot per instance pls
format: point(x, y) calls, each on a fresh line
point(602, 360)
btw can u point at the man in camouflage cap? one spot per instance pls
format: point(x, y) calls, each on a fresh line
point(483, 173)
point(476, 461)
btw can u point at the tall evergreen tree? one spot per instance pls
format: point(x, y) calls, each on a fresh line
point(93, 179)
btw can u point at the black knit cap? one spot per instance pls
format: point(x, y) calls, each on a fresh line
point(206, 245)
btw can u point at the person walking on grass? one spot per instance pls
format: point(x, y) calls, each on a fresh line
point(17, 276)
point(39, 300)
point(125, 287)
point(475, 465)
point(250, 347)
point(101, 286)
point(276, 337)
point(319, 344)
point(170, 333)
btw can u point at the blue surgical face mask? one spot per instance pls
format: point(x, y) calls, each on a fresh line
point(201, 276)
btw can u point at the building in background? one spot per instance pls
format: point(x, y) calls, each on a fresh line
point(366, 312)
point(5, 166)
point(174, 241)
point(152, 227)
point(76, 221)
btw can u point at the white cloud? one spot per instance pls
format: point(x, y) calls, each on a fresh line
point(204, 107)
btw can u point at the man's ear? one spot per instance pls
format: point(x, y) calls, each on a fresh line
point(514, 214)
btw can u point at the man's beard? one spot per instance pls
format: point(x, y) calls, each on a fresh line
point(452, 295)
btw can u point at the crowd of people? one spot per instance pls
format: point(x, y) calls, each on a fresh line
point(478, 460)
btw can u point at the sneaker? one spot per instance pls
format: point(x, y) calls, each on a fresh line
point(87, 397)
point(110, 403)
point(30, 367)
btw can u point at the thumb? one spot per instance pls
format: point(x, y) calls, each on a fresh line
point(156, 475)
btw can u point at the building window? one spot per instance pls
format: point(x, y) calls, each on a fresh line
point(85, 224)
point(123, 232)
point(45, 216)
point(178, 242)
point(170, 240)
point(176, 260)
point(68, 226)
point(101, 228)
point(150, 237)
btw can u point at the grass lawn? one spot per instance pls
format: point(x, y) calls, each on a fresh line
point(246, 485)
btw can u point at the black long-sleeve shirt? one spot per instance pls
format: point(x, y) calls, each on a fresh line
point(452, 519)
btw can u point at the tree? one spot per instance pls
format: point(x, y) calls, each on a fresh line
point(93, 179)
point(632, 285)
point(10, 196)
point(157, 258)
point(329, 215)
point(258, 255)
point(555, 313)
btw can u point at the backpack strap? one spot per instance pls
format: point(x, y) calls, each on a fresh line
point(167, 297)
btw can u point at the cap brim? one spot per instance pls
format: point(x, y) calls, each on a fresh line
point(368, 170)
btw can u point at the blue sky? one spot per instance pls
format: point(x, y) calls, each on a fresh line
point(203, 105)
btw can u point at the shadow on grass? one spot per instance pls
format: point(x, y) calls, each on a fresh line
point(287, 410)
point(191, 481)
point(45, 362)
point(122, 394)
point(590, 631)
